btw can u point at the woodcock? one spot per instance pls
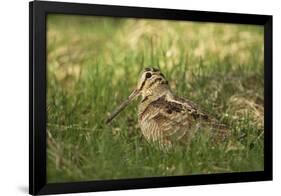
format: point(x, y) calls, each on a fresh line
point(165, 118)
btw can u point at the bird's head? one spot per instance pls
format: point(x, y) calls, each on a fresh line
point(150, 83)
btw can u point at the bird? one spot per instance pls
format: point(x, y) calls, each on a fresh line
point(165, 118)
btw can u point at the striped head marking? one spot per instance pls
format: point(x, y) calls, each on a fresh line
point(151, 82)
point(151, 79)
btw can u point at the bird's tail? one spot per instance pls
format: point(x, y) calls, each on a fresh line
point(217, 131)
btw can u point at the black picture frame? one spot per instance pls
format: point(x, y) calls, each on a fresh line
point(38, 11)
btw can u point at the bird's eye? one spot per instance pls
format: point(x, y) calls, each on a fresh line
point(148, 75)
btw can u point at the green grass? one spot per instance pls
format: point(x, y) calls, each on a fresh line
point(93, 65)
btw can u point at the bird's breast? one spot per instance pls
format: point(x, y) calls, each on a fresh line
point(149, 127)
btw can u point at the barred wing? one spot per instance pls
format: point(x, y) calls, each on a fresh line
point(174, 119)
point(168, 121)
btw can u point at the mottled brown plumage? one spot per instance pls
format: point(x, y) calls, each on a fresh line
point(165, 118)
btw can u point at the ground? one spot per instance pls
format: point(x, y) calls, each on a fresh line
point(93, 65)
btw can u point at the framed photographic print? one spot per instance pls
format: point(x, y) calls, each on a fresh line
point(130, 97)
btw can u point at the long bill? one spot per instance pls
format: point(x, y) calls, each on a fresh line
point(122, 106)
